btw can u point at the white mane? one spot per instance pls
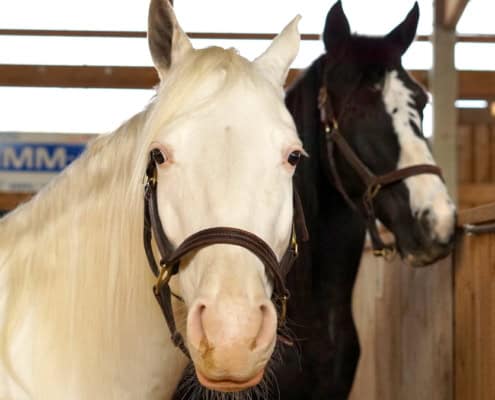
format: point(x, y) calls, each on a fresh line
point(73, 261)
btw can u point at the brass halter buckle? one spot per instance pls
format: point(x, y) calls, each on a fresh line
point(293, 241)
point(388, 253)
point(372, 191)
point(164, 276)
point(283, 309)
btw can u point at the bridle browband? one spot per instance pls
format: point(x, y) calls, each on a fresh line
point(171, 257)
point(373, 183)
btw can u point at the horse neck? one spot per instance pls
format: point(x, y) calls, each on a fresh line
point(75, 253)
point(88, 188)
point(336, 232)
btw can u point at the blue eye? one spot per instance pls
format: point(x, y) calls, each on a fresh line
point(294, 158)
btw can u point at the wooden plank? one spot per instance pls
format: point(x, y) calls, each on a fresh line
point(476, 84)
point(476, 193)
point(444, 88)
point(78, 76)
point(9, 201)
point(426, 323)
point(101, 76)
point(465, 154)
point(465, 321)
point(206, 35)
point(138, 34)
point(473, 116)
point(404, 320)
point(367, 290)
point(477, 215)
point(492, 150)
point(472, 84)
point(482, 156)
point(475, 318)
point(453, 10)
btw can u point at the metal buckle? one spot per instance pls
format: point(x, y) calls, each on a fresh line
point(164, 276)
point(149, 180)
point(283, 308)
point(372, 191)
point(388, 253)
point(330, 128)
point(293, 241)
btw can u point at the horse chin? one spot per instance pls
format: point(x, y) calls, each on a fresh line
point(429, 256)
point(229, 385)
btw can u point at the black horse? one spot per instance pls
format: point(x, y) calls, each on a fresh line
point(357, 93)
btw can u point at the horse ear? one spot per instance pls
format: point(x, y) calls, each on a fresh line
point(403, 35)
point(337, 29)
point(276, 60)
point(167, 41)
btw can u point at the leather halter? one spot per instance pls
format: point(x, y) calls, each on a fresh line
point(373, 183)
point(171, 257)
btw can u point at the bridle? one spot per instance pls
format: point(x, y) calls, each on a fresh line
point(373, 183)
point(171, 257)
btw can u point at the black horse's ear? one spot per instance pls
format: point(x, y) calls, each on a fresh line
point(337, 30)
point(403, 35)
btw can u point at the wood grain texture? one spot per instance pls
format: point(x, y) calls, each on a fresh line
point(475, 317)
point(465, 154)
point(9, 201)
point(482, 155)
point(491, 127)
point(476, 194)
point(404, 319)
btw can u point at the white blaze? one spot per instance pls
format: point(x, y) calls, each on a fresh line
point(426, 191)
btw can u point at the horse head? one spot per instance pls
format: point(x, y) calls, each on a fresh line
point(378, 108)
point(224, 151)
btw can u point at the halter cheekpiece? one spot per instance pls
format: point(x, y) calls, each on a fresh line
point(171, 257)
point(373, 183)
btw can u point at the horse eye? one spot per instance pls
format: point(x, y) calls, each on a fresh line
point(377, 87)
point(158, 156)
point(294, 158)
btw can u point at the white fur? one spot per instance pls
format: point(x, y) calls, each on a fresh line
point(77, 316)
point(427, 191)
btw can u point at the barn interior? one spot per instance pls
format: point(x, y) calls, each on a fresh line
point(72, 70)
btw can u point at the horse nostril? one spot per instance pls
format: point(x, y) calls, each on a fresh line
point(195, 329)
point(268, 326)
point(426, 220)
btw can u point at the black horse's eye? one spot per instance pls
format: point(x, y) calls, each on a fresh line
point(294, 158)
point(158, 156)
point(377, 87)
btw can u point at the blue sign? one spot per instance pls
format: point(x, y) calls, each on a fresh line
point(38, 157)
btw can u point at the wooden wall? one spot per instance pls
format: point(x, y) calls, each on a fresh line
point(476, 160)
point(475, 307)
point(404, 319)
point(423, 334)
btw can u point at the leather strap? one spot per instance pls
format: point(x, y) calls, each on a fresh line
point(171, 258)
point(373, 183)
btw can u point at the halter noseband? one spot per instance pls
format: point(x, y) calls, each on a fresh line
point(373, 183)
point(171, 258)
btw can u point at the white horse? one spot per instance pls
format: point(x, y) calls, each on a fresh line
point(78, 319)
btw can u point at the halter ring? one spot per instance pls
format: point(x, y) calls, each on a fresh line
point(388, 253)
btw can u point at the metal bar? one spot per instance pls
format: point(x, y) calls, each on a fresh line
point(479, 229)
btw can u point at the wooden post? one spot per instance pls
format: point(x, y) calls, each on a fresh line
point(443, 85)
